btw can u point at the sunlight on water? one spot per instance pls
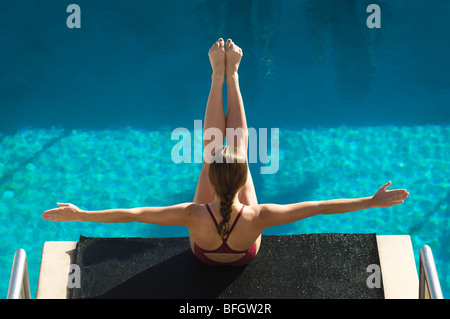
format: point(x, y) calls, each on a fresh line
point(127, 168)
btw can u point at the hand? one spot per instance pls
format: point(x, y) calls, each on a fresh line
point(65, 213)
point(388, 198)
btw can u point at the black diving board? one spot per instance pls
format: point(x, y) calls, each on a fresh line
point(310, 266)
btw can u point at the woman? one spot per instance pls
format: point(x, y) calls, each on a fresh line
point(225, 221)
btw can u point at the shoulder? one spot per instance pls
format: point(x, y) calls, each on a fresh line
point(253, 214)
point(266, 215)
point(193, 208)
point(195, 211)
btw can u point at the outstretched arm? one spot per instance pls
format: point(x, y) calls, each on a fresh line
point(273, 215)
point(177, 215)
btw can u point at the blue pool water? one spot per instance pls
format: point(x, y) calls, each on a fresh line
point(86, 115)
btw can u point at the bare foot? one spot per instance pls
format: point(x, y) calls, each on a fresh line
point(217, 57)
point(233, 58)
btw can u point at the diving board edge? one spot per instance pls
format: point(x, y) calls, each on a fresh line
point(397, 263)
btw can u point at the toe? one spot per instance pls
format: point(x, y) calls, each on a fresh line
point(221, 43)
point(229, 43)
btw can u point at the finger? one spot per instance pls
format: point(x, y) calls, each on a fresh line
point(386, 185)
point(62, 204)
point(403, 192)
point(405, 195)
point(399, 192)
point(47, 215)
point(49, 211)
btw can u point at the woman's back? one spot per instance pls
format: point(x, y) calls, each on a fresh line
point(244, 237)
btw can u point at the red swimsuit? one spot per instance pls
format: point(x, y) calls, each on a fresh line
point(224, 248)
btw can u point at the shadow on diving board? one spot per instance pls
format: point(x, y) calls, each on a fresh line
point(289, 266)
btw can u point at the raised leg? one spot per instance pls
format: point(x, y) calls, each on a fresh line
point(235, 117)
point(214, 117)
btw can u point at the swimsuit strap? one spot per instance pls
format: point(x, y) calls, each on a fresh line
point(235, 221)
point(217, 225)
point(212, 215)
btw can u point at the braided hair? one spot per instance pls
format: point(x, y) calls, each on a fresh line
point(227, 175)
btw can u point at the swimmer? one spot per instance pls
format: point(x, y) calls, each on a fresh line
point(224, 219)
